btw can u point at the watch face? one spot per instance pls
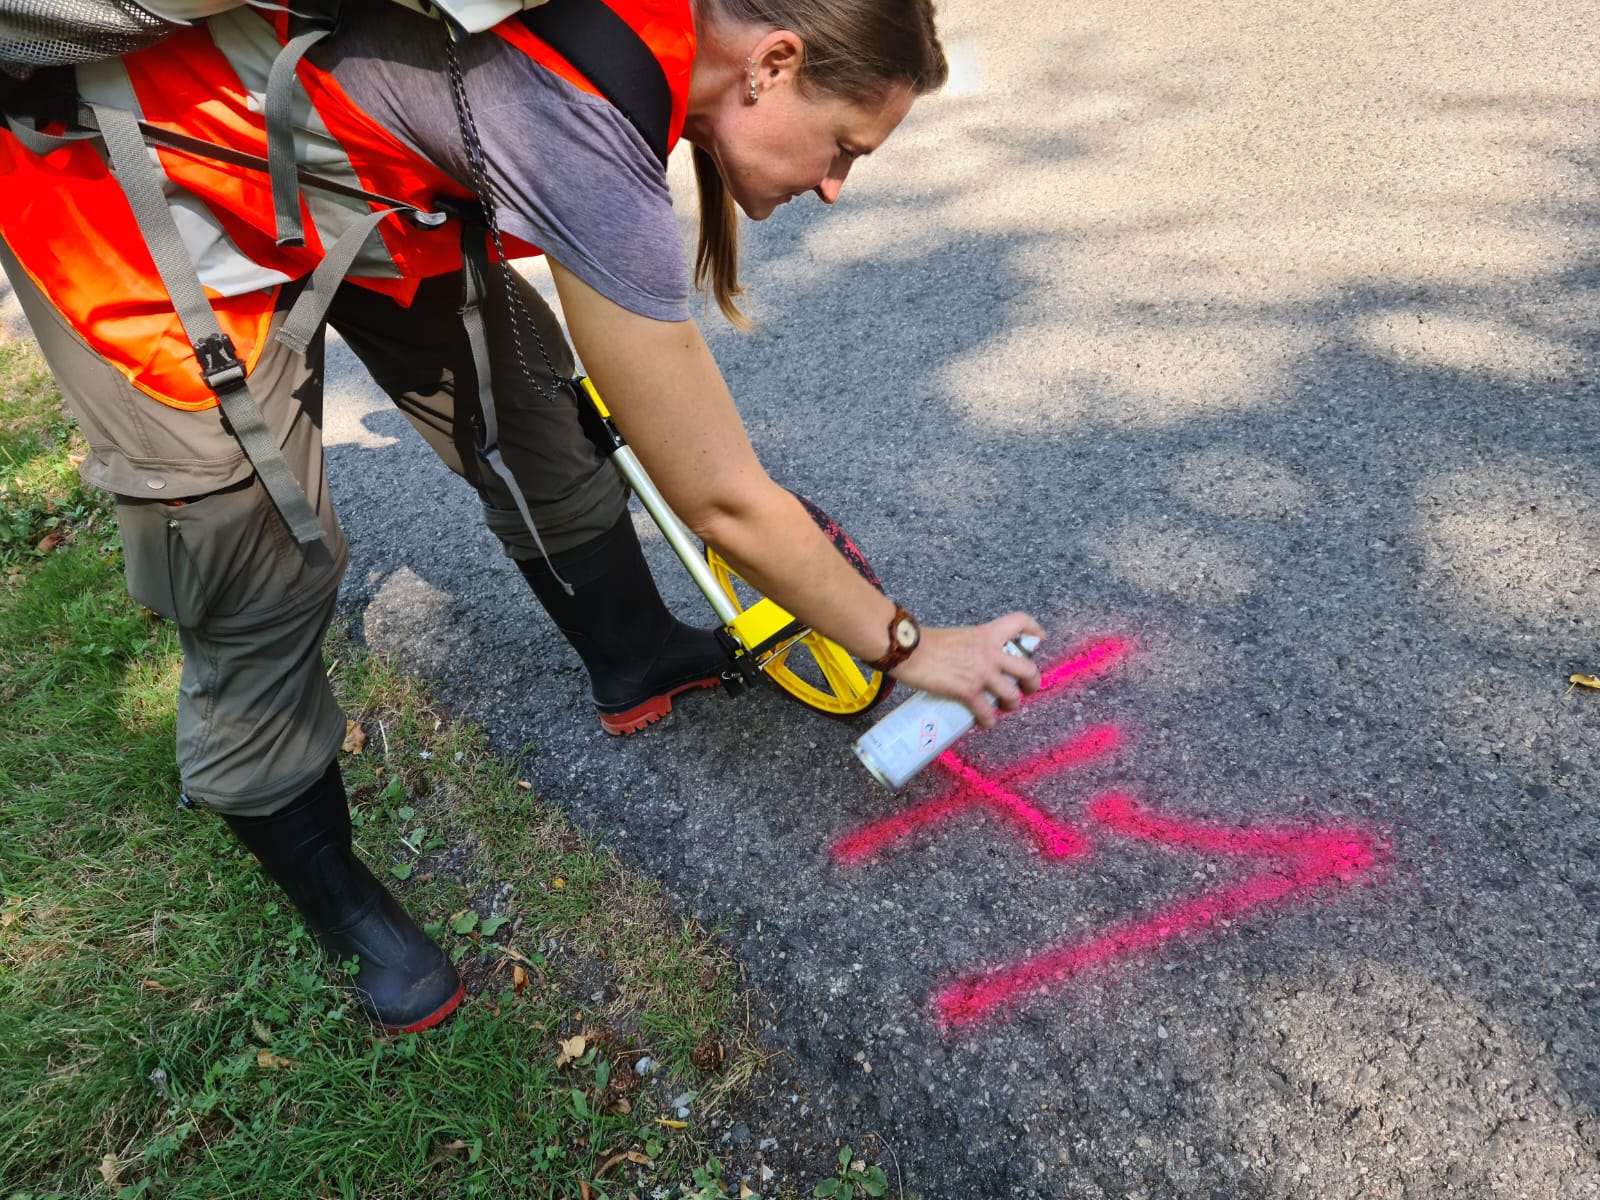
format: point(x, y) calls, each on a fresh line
point(905, 633)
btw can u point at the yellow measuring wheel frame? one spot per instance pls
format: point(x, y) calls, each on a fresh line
point(815, 671)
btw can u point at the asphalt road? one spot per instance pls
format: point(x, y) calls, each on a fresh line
point(1264, 338)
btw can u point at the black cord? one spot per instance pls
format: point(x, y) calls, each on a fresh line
point(480, 181)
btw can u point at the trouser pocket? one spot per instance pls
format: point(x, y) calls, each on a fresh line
point(160, 572)
point(225, 559)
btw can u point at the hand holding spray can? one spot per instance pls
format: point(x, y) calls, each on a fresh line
point(921, 729)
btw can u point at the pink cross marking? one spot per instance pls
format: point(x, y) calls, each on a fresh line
point(1054, 838)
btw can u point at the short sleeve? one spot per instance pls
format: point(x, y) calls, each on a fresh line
point(570, 174)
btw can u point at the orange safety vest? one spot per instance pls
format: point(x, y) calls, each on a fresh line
point(65, 217)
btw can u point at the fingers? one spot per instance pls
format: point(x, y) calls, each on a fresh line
point(1012, 628)
point(1018, 667)
point(1015, 625)
point(1008, 694)
point(976, 665)
point(1012, 676)
point(1003, 694)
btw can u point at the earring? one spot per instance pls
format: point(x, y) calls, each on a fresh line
point(754, 94)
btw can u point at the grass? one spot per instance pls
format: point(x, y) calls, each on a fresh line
point(167, 1028)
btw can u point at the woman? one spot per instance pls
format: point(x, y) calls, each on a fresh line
point(777, 99)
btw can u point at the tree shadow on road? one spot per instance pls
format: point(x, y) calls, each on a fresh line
point(1347, 522)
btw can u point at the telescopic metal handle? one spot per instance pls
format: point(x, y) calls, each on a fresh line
point(683, 543)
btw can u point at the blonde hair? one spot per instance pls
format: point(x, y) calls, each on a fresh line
point(855, 50)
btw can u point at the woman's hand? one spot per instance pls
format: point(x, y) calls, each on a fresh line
point(969, 663)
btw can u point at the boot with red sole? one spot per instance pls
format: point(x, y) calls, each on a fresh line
point(638, 655)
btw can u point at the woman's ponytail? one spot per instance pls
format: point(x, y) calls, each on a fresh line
point(716, 260)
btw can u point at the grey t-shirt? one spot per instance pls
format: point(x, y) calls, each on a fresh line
point(570, 174)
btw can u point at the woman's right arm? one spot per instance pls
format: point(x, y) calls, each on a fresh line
point(669, 400)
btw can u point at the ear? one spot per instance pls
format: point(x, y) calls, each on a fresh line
point(776, 59)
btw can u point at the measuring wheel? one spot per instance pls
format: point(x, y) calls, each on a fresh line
point(817, 672)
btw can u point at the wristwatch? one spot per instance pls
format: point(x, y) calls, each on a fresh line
point(904, 635)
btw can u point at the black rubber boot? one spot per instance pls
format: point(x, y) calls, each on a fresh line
point(639, 656)
point(405, 981)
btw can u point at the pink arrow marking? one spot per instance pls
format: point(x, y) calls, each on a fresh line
point(1302, 861)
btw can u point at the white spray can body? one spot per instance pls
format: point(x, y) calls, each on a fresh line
point(921, 729)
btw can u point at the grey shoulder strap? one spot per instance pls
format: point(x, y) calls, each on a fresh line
point(219, 364)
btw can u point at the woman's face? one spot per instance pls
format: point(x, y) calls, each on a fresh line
point(790, 141)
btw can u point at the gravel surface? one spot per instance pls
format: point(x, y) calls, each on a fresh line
point(1264, 337)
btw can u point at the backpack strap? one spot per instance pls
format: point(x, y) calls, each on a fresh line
point(281, 168)
point(475, 277)
point(611, 55)
point(220, 366)
point(587, 33)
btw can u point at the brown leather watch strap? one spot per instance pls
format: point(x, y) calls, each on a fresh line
point(904, 637)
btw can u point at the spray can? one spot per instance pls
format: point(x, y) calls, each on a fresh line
point(921, 729)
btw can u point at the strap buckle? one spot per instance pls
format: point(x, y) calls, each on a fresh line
point(466, 209)
point(219, 365)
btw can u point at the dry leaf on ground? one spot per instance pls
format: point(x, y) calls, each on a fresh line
point(1588, 681)
point(355, 737)
point(572, 1048)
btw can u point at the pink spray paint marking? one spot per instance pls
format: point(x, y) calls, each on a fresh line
point(1296, 861)
point(1054, 838)
point(1084, 664)
point(1300, 862)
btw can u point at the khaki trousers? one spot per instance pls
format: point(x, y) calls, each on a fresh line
point(204, 547)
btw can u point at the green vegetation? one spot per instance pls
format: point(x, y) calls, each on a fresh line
point(167, 1028)
point(853, 1178)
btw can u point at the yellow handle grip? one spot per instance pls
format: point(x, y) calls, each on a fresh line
point(594, 397)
